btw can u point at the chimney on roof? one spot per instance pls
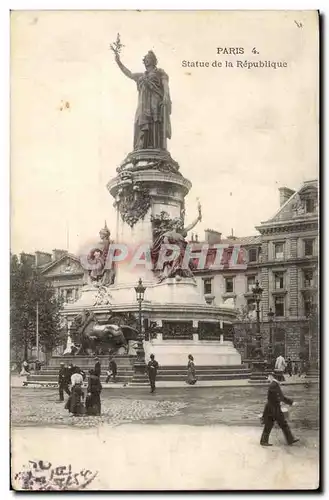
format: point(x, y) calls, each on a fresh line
point(27, 258)
point(58, 254)
point(42, 258)
point(212, 237)
point(285, 194)
point(232, 237)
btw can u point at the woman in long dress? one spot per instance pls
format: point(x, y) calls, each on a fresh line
point(74, 403)
point(25, 369)
point(93, 401)
point(191, 378)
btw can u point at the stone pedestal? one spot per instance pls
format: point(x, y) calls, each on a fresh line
point(149, 191)
point(205, 353)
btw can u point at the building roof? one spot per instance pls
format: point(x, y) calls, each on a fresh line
point(68, 256)
point(243, 240)
point(291, 209)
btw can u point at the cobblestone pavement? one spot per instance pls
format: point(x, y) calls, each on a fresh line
point(41, 407)
point(200, 406)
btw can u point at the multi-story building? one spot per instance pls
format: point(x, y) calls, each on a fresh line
point(66, 275)
point(289, 271)
point(62, 269)
point(235, 280)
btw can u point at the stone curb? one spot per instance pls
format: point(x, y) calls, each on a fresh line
point(178, 384)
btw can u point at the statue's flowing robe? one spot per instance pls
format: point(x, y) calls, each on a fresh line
point(175, 266)
point(151, 116)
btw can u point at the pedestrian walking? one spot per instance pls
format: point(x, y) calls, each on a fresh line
point(280, 366)
point(76, 378)
point(302, 368)
point(289, 367)
point(93, 399)
point(76, 369)
point(152, 369)
point(112, 371)
point(97, 367)
point(63, 381)
point(273, 413)
point(191, 377)
point(25, 369)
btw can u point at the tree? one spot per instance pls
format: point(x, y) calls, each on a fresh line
point(29, 290)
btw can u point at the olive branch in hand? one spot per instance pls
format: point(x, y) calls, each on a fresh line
point(117, 45)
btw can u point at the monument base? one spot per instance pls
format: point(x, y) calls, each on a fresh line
point(205, 353)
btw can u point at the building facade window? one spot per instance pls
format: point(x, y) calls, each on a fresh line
point(251, 306)
point(207, 286)
point(310, 205)
point(278, 281)
point(279, 306)
point(308, 306)
point(252, 255)
point(308, 278)
point(229, 285)
point(308, 248)
point(251, 282)
point(279, 251)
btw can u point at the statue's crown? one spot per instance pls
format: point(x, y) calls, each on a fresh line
point(105, 231)
point(153, 56)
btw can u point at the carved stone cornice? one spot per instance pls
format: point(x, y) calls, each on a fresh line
point(289, 227)
point(291, 262)
point(149, 179)
point(141, 159)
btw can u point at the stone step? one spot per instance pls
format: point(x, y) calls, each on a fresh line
point(51, 378)
point(203, 371)
point(206, 367)
point(101, 357)
point(55, 371)
point(177, 378)
point(90, 361)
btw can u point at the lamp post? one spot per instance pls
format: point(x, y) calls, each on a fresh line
point(270, 316)
point(258, 361)
point(140, 362)
point(257, 295)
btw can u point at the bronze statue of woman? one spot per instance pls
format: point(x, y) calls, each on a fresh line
point(152, 125)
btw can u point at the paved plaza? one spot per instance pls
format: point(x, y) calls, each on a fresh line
point(191, 406)
point(207, 438)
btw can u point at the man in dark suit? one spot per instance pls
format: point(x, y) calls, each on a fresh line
point(63, 381)
point(112, 371)
point(97, 367)
point(273, 413)
point(152, 369)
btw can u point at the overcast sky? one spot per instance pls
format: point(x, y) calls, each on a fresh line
point(238, 134)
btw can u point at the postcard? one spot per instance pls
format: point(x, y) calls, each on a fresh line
point(164, 319)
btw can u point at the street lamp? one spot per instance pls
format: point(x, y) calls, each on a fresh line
point(140, 362)
point(270, 316)
point(258, 361)
point(257, 296)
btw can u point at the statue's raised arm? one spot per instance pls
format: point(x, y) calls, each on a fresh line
point(125, 70)
point(194, 223)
